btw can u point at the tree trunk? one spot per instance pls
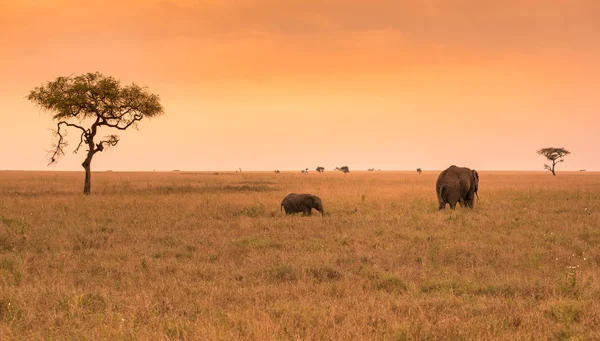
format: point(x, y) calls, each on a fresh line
point(553, 164)
point(87, 187)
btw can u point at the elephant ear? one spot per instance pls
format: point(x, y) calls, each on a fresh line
point(308, 200)
point(475, 174)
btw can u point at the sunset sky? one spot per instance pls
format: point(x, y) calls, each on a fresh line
point(290, 84)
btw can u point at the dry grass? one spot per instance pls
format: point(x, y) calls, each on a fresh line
point(209, 256)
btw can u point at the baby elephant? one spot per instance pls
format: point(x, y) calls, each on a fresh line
point(295, 203)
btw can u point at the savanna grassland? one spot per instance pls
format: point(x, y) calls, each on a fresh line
point(208, 256)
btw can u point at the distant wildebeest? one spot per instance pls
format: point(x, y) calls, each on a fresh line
point(296, 203)
point(457, 184)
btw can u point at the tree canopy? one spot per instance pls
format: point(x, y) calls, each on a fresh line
point(91, 101)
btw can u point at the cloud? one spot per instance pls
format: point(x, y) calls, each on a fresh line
point(471, 23)
point(253, 39)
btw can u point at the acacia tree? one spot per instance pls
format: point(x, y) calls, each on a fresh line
point(320, 169)
point(345, 169)
point(88, 102)
point(555, 155)
point(419, 170)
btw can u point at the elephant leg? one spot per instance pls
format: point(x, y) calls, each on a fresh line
point(453, 198)
point(469, 200)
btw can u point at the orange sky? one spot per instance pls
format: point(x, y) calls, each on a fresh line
point(272, 84)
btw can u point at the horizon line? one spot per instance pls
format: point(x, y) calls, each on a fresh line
point(284, 170)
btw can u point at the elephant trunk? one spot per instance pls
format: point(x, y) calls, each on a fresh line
point(477, 195)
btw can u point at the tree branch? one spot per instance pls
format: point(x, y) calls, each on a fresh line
point(72, 125)
point(82, 140)
point(58, 149)
point(112, 141)
point(136, 118)
point(61, 143)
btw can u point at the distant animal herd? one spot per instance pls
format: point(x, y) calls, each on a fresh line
point(454, 185)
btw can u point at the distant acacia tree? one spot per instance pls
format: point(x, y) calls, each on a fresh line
point(419, 171)
point(320, 169)
point(345, 169)
point(89, 102)
point(336, 169)
point(555, 155)
point(370, 169)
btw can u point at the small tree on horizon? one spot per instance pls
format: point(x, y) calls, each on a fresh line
point(345, 169)
point(419, 171)
point(320, 169)
point(87, 103)
point(555, 155)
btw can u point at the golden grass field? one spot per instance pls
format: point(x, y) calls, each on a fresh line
point(209, 256)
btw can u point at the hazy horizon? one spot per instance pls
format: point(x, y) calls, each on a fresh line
point(266, 85)
point(292, 171)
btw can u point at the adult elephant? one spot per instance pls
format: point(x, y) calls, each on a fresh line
point(296, 203)
point(457, 184)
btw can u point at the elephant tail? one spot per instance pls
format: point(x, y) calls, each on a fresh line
point(441, 191)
